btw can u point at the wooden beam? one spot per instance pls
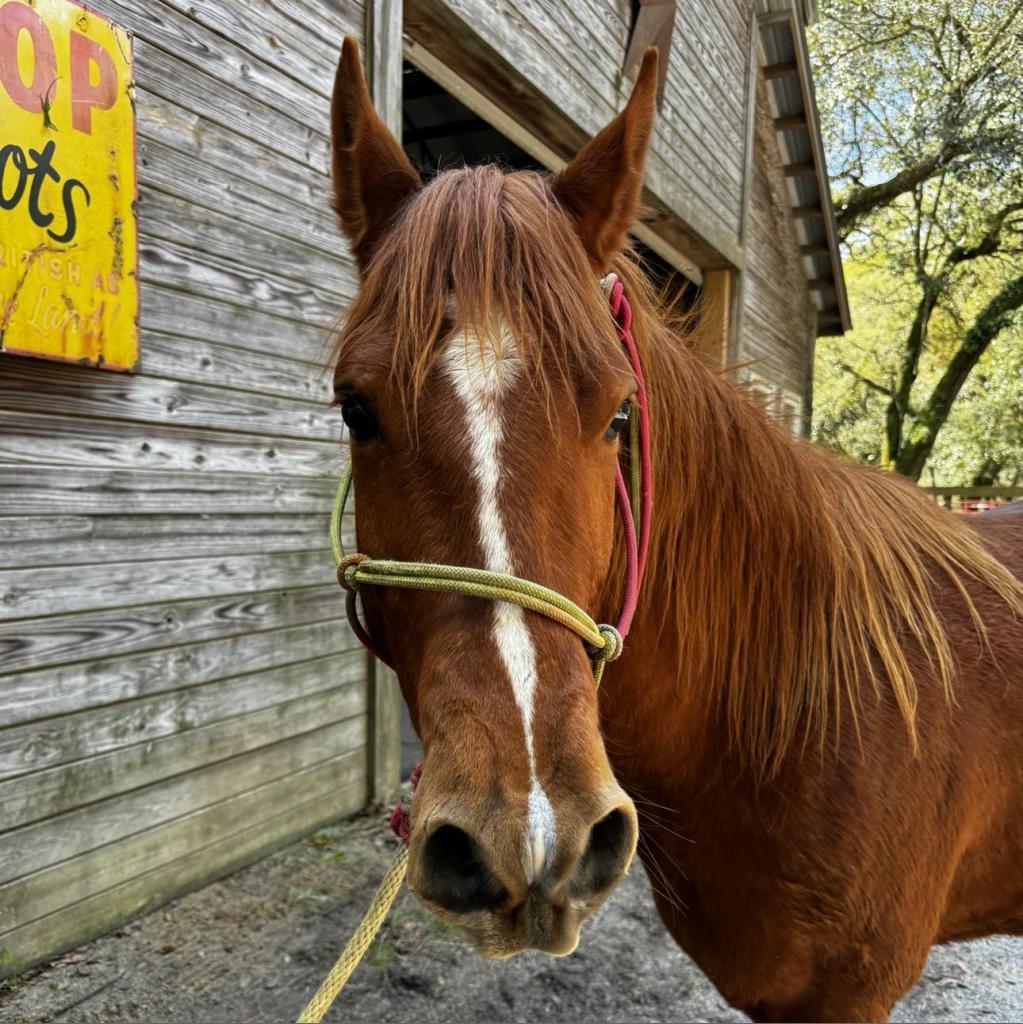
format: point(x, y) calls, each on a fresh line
point(383, 36)
point(801, 169)
point(815, 249)
point(790, 121)
point(816, 284)
point(788, 70)
point(807, 211)
point(716, 309)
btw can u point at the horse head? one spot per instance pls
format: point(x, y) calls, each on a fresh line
point(483, 387)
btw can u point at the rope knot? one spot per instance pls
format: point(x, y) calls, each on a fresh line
point(346, 570)
point(613, 644)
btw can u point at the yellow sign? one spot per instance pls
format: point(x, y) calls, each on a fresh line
point(68, 238)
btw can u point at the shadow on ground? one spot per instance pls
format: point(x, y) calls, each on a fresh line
point(254, 946)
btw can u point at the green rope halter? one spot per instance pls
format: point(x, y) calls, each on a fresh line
point(354, 571)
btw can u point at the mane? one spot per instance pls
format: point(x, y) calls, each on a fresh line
point(795, 580)
point(495, 242)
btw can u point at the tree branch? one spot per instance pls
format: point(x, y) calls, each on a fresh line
point(993, 319)
point(859, 202)
point(872, 384)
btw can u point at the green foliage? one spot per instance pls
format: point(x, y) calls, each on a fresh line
point(982, 442)
point(922, 113)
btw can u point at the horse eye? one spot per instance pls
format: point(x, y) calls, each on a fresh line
point(619, 422)
point(359, 418)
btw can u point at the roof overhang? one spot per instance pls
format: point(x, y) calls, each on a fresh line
point(785, 63)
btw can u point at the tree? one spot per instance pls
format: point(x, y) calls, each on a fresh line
point(923, 118)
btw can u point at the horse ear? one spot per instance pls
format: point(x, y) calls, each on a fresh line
point(372, 176)
point(600, 188)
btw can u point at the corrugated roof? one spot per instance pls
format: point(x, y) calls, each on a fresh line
point(786, 68)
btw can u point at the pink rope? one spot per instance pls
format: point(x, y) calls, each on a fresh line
point(637, 551)
point(400, 819)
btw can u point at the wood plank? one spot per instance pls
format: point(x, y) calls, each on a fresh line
point(44, 892)
point(44, 439)
point(213, 55)
point(222, 101)
point(324, 23)
point(198, 361)
point(610, 26)
point(384, 748)
point(316, 696)
point(181, 266)
point(85, 540)
point(56, 590)
point(116, 632)
point(785, 70)
point(189, 315)
point(35, 847)
point(225, 171)
point(587, 34)
point(66, 689)
point(83, 920)
point(698, 94)
point(47, 743)
point(276, 248)
point(43, 491)
point(81, 392)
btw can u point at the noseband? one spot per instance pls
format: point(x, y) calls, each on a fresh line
point(635, 502)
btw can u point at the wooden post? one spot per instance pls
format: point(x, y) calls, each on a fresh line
point(716, 317)
point(384, 56)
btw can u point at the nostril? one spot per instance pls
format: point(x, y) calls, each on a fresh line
point(454, 874)
point(606, 856)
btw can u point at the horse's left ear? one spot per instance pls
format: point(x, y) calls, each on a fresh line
point(372, 176)
point(600, 188)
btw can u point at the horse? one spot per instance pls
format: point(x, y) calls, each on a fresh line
point(814, 735)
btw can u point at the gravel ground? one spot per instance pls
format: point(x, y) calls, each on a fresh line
point(254, 946)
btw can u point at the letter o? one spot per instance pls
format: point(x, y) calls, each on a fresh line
point(16, 18)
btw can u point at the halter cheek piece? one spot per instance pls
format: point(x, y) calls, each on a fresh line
point(635, 501)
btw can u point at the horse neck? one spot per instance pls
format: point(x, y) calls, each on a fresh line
point(782, 580)
point(729, 518)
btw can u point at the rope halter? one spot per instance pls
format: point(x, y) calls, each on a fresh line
point(603, 642)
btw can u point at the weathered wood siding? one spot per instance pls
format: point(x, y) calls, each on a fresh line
point(178, 692)
point(714, 186)
point(557, 67)
point(778, 317)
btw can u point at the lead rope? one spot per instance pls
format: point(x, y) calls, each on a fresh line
point(604, 642)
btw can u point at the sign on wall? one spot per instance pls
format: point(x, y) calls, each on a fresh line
point(68, 248)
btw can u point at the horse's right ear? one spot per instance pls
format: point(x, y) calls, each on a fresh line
point(372, 176)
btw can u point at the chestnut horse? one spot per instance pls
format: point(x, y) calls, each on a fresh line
point(816, 728)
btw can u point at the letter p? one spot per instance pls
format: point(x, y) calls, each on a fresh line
point(86, 94)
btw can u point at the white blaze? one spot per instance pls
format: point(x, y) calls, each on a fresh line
point(482, 375)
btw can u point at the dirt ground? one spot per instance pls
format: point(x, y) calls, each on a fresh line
point(255, 945)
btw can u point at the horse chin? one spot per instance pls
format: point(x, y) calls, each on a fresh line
point(502, 937)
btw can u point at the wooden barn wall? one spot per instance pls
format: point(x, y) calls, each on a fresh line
point(778, 317)
point(571, 55)
point(177, 691)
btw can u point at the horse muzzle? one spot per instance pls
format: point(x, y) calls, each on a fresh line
point(533, 892)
